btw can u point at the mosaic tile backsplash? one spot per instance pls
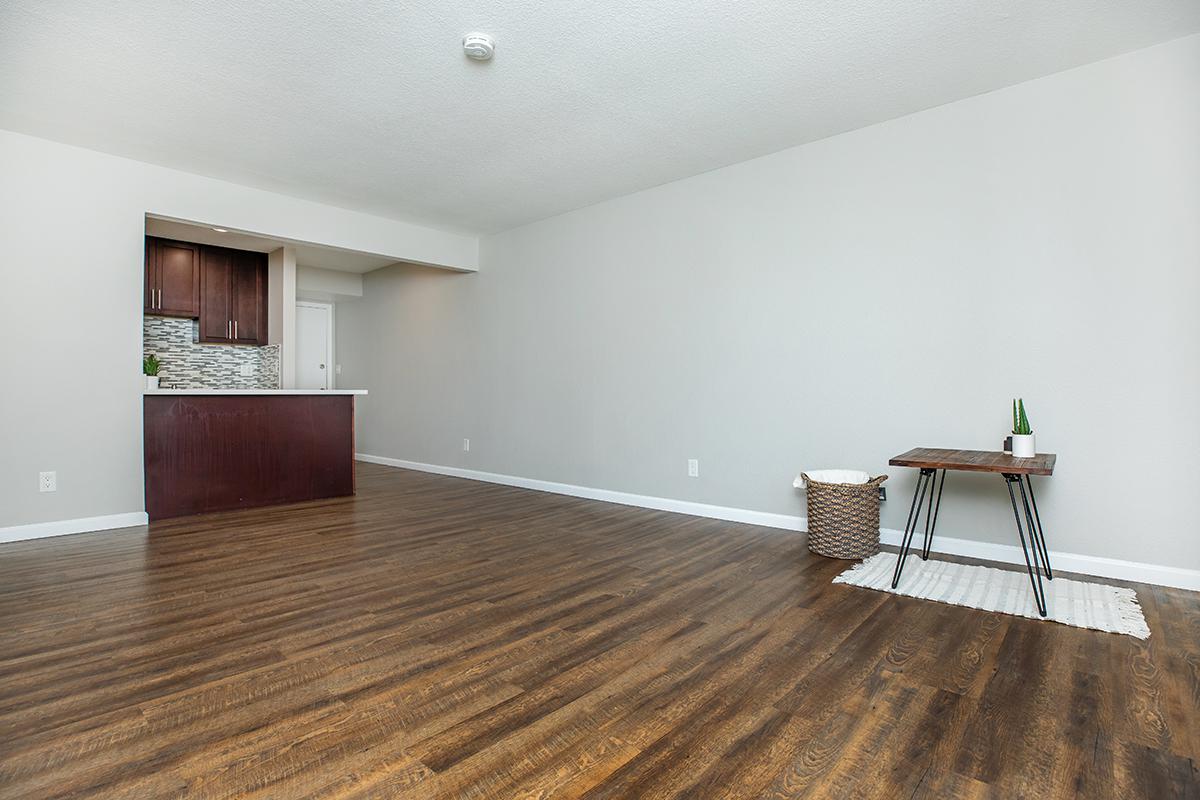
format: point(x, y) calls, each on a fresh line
point(187, 364)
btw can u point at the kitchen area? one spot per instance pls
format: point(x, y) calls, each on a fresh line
point(234, 414)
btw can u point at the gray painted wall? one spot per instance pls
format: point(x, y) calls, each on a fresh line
point(72, 230)
point(834, 304)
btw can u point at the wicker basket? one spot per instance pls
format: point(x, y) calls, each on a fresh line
point(843, 518)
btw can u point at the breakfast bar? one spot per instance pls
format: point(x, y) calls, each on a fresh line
point(219, 449)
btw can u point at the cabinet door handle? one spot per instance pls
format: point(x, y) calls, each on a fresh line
point(235, 329)
point(160, 299)
point(229, 329)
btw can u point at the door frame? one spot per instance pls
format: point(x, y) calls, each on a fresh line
point(330, 367)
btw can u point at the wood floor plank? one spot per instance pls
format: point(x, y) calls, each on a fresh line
point(920, 751)
point(439, 638)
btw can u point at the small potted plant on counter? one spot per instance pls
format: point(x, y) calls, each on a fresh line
point(1022, 435)
point(150, 365)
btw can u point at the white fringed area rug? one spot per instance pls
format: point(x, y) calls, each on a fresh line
point(1083, 605)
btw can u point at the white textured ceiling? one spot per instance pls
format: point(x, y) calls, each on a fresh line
point(371, 105)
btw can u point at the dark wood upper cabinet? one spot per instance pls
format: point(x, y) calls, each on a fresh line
point(172, 286)
point(216, 310)
point(225, 289)
point(248, 293)
point(150, 285)
point(233, 296)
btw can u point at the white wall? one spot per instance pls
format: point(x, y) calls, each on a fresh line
point(71, 233)
point(282, 285)
point(327, 284)
point(837, 303)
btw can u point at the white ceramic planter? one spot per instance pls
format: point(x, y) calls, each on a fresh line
point(151, 381)
point(1023, 446)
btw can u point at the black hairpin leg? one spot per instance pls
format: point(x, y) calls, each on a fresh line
point(1040, 538)
point(932, 515)
point(1035, 572)
point(924, 481)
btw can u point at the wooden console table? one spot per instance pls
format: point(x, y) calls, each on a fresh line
point(1014, 471)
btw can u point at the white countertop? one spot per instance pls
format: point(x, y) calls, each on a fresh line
point(252, 391)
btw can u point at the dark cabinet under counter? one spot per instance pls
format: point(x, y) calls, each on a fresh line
point(221, 450)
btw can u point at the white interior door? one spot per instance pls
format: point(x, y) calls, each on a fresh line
point(314, 345)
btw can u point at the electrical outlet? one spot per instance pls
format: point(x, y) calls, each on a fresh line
point(882, 493)
point(47, 481)
point(337, 369)
point(247, 370)
point(466, 445)
point(693, 468)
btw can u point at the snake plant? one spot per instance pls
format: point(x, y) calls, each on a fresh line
point(1020, 421)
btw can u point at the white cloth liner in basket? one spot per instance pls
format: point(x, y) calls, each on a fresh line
point(832, 476)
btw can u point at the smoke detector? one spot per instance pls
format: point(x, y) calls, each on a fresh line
point(479, 46)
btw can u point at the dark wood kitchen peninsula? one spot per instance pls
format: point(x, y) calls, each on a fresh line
point(215, 449)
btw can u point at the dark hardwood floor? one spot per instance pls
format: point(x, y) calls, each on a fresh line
point(436, 637)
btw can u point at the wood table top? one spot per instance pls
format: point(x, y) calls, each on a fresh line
point(975, 461)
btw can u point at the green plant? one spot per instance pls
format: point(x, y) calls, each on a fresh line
point(1020, 421)
point(150, 365)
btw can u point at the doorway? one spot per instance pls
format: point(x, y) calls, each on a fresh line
point(314, 345)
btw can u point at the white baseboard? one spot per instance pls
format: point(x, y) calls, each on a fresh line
point(62, 527)
point(623, 498)
point(1098, 566)
point(1004, 553)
